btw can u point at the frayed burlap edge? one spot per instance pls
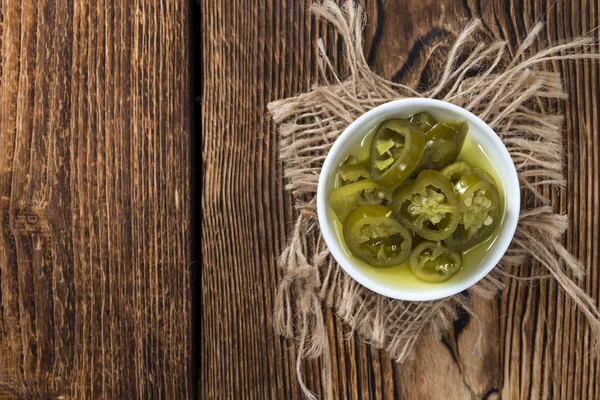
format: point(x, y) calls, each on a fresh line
point(505, 89)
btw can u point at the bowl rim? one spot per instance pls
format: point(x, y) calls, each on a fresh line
point(504, 239)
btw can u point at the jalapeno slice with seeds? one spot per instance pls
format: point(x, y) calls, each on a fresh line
point(363, 192)
point(480, 205)
point(374, 236)
point(396, 150)
point(428, 206)
point(434, 262)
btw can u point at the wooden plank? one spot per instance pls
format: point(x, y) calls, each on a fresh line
point(94, 194)
point(536, 345)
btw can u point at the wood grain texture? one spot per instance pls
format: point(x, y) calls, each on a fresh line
point(536, 345)
point(94, 197)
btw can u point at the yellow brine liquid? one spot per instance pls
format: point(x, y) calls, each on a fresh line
point(472, 152)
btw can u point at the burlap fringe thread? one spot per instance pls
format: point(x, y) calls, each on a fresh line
point(508, 93)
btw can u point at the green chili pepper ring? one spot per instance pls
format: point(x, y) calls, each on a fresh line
point(480, 204)
point(434, 262)
point(363, 192)
point(374, 236)
point(396, 150)
point(443, 144)
point(428, 206)
point(424, 120)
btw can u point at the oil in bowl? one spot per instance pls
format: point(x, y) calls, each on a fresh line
point(469, 150)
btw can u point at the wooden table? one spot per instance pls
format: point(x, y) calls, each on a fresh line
point(95, 291)
point(536, 344)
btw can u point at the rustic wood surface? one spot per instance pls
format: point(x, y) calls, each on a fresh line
point(94, 196)
point(536, 344)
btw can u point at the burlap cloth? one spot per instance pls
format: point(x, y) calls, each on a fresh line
point(507, 90)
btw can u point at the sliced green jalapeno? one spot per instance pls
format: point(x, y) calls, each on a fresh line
point(424, 120)
point(374, 236)
point(454, 172)
point(428, 206)
point(353, 173)
point(352, 170)
point(443, 144)
point(480, 205)
point(434, 262)
point(363, 192)
point(396, 150)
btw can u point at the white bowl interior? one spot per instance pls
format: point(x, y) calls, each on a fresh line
point(402, 284)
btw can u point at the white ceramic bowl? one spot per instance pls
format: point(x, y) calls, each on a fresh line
point(409, 287)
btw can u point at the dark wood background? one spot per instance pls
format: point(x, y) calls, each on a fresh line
point(536, 344)
point(95, 260)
